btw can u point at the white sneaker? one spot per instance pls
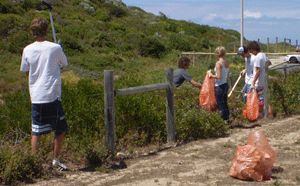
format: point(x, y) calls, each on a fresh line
point(60, 166)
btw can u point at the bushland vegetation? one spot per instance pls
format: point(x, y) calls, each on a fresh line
point(97, 36)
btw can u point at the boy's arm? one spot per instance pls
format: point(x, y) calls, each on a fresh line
point(255, 77)
point(196, 84)
point(63, 60)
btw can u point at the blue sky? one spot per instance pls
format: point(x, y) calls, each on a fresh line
point(262, 18)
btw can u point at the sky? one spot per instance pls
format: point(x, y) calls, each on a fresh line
point(262, 18)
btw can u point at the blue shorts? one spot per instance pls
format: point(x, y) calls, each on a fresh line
point(46, 116)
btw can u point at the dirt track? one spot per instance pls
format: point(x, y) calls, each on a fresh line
point(202, 162)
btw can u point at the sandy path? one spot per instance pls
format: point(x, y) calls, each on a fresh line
point(202, 162)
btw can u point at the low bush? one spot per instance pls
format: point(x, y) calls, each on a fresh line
point(284, 93)
point(151, 47)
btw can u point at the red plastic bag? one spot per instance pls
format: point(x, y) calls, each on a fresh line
point(207, 96)
point(252, 106)
point(258, 139)
point(270, 113)
point(255, 160)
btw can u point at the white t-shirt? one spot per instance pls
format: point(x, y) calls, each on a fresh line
point(259, 61)
point(249, 69)
point(42, 60)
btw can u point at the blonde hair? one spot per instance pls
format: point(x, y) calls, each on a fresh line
point(220, 51)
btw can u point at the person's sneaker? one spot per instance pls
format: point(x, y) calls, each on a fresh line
point(60, 166)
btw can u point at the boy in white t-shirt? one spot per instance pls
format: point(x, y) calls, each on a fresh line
point(259, 62)
point(41, 61)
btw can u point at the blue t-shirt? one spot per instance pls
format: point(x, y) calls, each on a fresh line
point(180, 75)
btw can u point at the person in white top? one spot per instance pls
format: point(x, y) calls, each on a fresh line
point(41, 61)
point(221, 85)
point(259, 62)
point(248, 71)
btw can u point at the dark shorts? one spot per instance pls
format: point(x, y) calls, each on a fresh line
point(46, 116)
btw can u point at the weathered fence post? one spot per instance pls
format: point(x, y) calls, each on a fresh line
point(284, 71)
point(266, 91)
point(194, 59)
point(234, 47)
point(210, 55)
point(109, 102)
point(268, 45)
point(170, 105)
point(277, 45)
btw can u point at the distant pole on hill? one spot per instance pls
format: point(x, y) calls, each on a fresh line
point(242, 22)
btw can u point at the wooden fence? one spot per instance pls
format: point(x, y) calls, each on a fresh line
point(193, 55)
point(109, 103)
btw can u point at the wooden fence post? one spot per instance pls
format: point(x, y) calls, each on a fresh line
point(266, 90)
point(210, 55)
point(234, 47)
point(284, 44)
point(170, 108)
point(194, 59)
point(109, 102)
point(268, 44)
point(284, 71)
point(277, 45)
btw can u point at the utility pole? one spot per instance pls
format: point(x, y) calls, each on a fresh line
point(242, 23)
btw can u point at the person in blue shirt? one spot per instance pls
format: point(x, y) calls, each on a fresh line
point(180, 75)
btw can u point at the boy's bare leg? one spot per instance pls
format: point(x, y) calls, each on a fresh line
point(57, 145)
point(35, 141)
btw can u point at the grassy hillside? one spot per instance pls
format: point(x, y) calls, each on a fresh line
point(138, 46)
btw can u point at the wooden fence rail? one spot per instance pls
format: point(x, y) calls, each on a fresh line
point(109, 103)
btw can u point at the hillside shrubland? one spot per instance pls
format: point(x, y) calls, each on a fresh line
point(100, 35)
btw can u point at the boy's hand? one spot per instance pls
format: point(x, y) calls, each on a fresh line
point(243, 72)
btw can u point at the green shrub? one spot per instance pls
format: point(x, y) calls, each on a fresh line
point(103, 40)
point(151, 47)
point(179, 43)
point(71, 44)
point(18, 41)
point(102, 15)
point(114, 10)
point(17, 164)
point(284, 94)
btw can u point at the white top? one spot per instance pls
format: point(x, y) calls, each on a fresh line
point(249, 69)
point(224, 75)
point(42, 60)
point(259, 61)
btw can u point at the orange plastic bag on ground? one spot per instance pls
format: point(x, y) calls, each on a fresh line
point(255, 160)
point(252, 106)
point(207, 96)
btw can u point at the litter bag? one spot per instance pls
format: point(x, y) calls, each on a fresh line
point(252, 106)
point(207, 96)
point(255, 160)
point(258, 139)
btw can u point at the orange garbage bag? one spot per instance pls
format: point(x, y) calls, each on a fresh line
point(255, 160)
point(252, 106)
point(270, 113)
point(258, 139)
point(207, 96)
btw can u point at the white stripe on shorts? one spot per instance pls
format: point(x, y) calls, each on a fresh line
point(44, 128)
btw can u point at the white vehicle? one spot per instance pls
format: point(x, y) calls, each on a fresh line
point(293, 58)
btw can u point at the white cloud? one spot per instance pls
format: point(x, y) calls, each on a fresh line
point(209, 18)
point(230, 17)
point(250, 14)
